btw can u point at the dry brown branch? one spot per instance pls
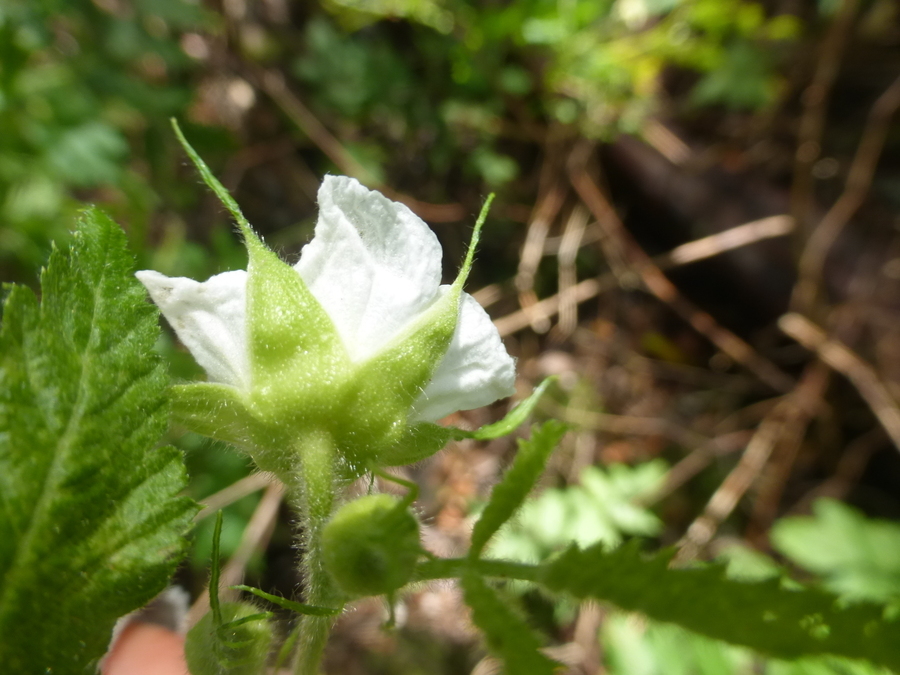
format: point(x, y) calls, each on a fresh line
point(545, 211)
point(273, 84)
point(859, 180)
point(255, 538)
point(232, 493)
point(657, 283)
point(568, 250)
point(785, 424)
point(735, 237)
point(630, 425)
point(695, 462)
point(700, 249)
point(844, 360)
point(812, 121)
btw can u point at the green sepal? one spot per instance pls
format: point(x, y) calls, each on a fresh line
point(297, 360)
point(513, 420)
point(422, 440)
point(419, 441)
point(384, 388)
point(220, 412)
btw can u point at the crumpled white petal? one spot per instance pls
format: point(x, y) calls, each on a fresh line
point(475, 371)
point(209, 319)
point(373, 265)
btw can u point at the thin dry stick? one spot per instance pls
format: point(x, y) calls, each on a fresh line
point(815, 99)
point(844, 360)
point(273, 84)
point(630, 425)
point(785, 423)
point(700, 249)
point(859, 180)
point(776, 475)
point(256, 536)
point(232, 493)
point(568, 250)
point(545, 212)
point(695, 462)
point(727, 240)
point(657, 283)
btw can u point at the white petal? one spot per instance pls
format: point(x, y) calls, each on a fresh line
point(373, 264)
point(475, 371)
point(209, 318)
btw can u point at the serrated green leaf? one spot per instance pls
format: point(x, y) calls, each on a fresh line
point(507, 633)
point(517, 482)
point(786, 623)
point(90, 522)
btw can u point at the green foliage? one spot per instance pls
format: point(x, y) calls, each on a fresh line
point(507, 633)
point(857, 556)
point(90, 521)
point(761, 615)
point(78, 81)
point(601, 508)
point(635, 646)
point(516, 483)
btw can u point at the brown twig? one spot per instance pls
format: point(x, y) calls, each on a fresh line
point(545, 211)
point(786, 424)
point(859, 180)
point(568, 250)
point(700, 249)
point(844, 360)
point(657, 283)
point(812, 121)
point(695, 462)
point(232, 493)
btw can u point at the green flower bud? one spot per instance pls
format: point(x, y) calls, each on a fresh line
point(371, 545)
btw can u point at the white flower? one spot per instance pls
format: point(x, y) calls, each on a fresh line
point(374, 267)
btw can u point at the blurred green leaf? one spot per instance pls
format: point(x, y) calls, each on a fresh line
point(856, 555)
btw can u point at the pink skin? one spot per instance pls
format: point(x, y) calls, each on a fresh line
point(146, 649)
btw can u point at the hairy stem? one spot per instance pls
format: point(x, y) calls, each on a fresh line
point(313, 494)
point(452, 568)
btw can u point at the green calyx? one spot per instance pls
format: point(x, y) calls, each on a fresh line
point(371, 546)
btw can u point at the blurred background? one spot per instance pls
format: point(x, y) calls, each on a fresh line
point(696, 231)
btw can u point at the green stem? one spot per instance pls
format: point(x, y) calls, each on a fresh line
point(453, 568)
point(313, 494)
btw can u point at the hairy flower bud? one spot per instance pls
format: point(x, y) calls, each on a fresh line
point(371, 545)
